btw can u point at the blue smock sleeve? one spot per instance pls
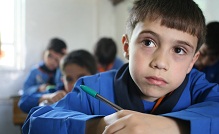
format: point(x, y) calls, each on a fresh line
point(28, 101)
point(30, 85)
point(69, 115)
point(46, 120)
point(203, 117)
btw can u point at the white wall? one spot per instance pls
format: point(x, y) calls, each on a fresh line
point(210, 9)
point(80, 23)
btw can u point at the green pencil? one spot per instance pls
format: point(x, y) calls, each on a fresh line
point(96, 95)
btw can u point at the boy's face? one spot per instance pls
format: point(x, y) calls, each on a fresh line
point(51, 59)
point(72, 72)
point(205, 59)
point(159, 58)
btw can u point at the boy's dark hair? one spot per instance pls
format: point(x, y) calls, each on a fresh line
point(212, 38)
point(105, 51)
point(183, 15)
point(57, 45)
point(82, 58)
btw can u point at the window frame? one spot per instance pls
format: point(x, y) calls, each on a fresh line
point(18, 41)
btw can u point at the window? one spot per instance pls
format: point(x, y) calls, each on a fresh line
point(12, 34)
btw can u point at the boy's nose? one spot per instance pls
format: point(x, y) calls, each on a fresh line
point(160, 61)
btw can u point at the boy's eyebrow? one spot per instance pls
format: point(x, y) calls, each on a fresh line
point(185, 43)
point(157, 35)
point(150, 32)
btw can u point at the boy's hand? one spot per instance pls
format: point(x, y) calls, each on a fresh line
point(131, 122)
point(53, 97)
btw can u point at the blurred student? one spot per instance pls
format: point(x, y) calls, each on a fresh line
point(41, 77)
point(74, 65)
point(106, 55)
point(208, 61)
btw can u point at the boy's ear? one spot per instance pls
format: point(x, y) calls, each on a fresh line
point(125, 43)
point(194, 59)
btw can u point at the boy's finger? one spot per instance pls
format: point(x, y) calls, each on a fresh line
point(112, 129)
point(123, 113)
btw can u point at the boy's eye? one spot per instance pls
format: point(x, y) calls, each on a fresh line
point(49, 55)
point(69, 79)
point(179, 50)
point(148, 43)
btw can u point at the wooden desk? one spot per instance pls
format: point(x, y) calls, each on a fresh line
point(18, 116)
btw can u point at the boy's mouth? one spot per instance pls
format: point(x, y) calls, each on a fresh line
point(153, 80)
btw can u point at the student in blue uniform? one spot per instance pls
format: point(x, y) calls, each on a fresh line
point(158, 89)
point(106, 55)
point(208, 61)
point(41, 78)
point(76, 64)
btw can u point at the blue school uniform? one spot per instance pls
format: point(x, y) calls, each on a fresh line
point(38, 75)
point(212, 73)
point(195, 100)
point(117, 63)
point(58, 80)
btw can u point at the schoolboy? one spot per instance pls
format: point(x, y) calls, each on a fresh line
point(43, 77)
point(208, 61)
point(159, 89)
point(76, 64)
point(105, 53)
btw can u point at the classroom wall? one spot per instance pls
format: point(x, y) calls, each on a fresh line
point(210, 9)
point(80, 23)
